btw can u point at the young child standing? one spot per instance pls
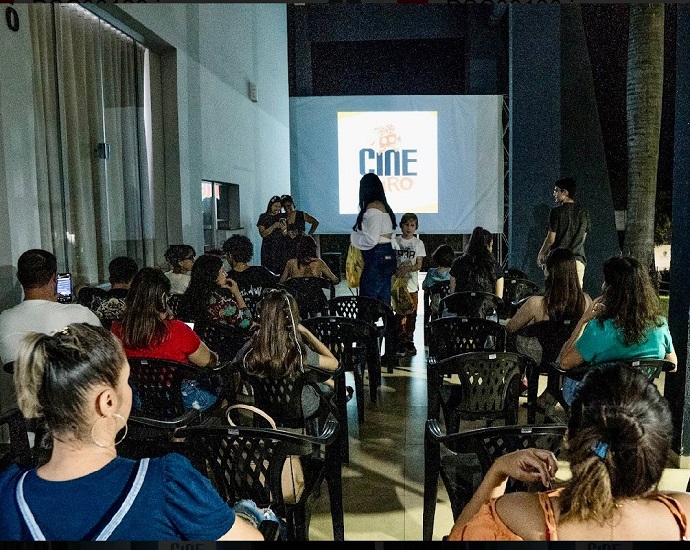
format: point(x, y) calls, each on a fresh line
point(410, 253)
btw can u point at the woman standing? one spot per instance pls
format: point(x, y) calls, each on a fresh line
point(272, 226)
point(298, 218)
point(372, 234)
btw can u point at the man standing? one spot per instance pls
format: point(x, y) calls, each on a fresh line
point(39, 312)
point(568, 226)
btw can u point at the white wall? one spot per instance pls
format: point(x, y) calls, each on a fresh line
point(222, 134)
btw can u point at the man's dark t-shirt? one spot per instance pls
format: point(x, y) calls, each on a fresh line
point(570, 222)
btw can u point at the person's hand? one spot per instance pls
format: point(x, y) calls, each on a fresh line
point(594, 309)
point(528, 465)
point(232, 285)
point(401, 270)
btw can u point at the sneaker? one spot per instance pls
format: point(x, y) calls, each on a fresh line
point(402, 352)
point(411, 349)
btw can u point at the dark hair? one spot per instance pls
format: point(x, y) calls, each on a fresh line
point(142, 326)
point(240, 248)
point(370, 190)
point(480, 261)
point(274, 199)
point(443, 256)
point(122, 270)
point(563, 296)
point(629, 298)
point(274, 351)
point(567, 184)
point(36, 267)
point(617, 406)
point(53, 374)
point(409, 216)
point(201, 285)
point(177, 253)
point(306, 250)
point(286, 198)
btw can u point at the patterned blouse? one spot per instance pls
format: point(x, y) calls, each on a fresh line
point(223, 308)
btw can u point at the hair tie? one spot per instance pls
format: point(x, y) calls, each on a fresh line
point(600, 449)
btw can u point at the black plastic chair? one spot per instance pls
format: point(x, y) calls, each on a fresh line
point(225, 340)
point(380, 315)
point(651, 368)
point(436, 293)
point(157, 384)
point(450, 336)
point(488, 388)
point(550, 335)
point(472, 304)
point(309, 294)
point(17, 450)
point(246, 462)
point(177, 305)
point(252, 287)
point(348, 339)
point(466, 459)
point(515, 290)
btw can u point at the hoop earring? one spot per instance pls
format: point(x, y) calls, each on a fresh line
point(115, 443)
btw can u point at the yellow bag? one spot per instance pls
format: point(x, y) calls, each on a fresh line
point(400, 297)
point(354, 265)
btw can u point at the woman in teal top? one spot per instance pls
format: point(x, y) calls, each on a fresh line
point(623, 323)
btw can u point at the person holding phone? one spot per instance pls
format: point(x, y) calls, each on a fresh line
point(272, 226)
point(40, 311)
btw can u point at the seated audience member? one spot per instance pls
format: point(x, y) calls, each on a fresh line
point(39, 312)
point(181, 259)
point(77, 380)
point(307, 263)
point(283, 347)
point(122, 270)
point(477, 269)
point(250, 279)
point(442, 258)
point(623, 323)
point(213, 296)
point(148, 329)
point(618, 440)
point(563, 296)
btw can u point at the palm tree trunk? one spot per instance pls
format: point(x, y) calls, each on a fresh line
point(644, 98)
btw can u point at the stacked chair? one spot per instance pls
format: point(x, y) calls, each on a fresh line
point(515, 291)
point(483, 305)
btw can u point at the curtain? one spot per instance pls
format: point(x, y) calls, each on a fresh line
point(88, 85)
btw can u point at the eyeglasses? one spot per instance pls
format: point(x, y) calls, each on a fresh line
point(189, 258)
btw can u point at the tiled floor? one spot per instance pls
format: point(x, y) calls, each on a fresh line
point(383, 485)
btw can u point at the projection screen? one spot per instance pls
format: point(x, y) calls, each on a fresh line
point(440, 157)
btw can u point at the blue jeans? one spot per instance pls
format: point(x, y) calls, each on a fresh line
point(379, 266)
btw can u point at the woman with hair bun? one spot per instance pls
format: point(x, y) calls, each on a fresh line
point(618, 439)
point(77, 380)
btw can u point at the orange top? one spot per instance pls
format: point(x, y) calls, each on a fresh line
point(487, 525)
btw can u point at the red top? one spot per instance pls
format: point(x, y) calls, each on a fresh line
point(180, 342)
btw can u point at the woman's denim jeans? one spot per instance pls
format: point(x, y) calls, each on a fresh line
point(379, 266)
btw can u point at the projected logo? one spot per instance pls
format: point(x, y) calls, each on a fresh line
point(401, 147)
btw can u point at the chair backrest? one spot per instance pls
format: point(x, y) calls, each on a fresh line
point(551, 335)
point(17, 450)
point(488, 389)
point(450, 336)
point(437, 292)
point(157, 386)
point(91, 296)
point(225, 340)
point(346, 338)
point(309, 294)
point(464, 458)
point(651, 368)
point(514, 273)
point(246, 462)
point(472, 304)
point(177, 305)
point(363, 308)
point(252, 285)
point(515, 290)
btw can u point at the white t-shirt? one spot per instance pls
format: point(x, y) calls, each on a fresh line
point(33, 316)
point(408, 252)
point(375, 223)
point(178, 281)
